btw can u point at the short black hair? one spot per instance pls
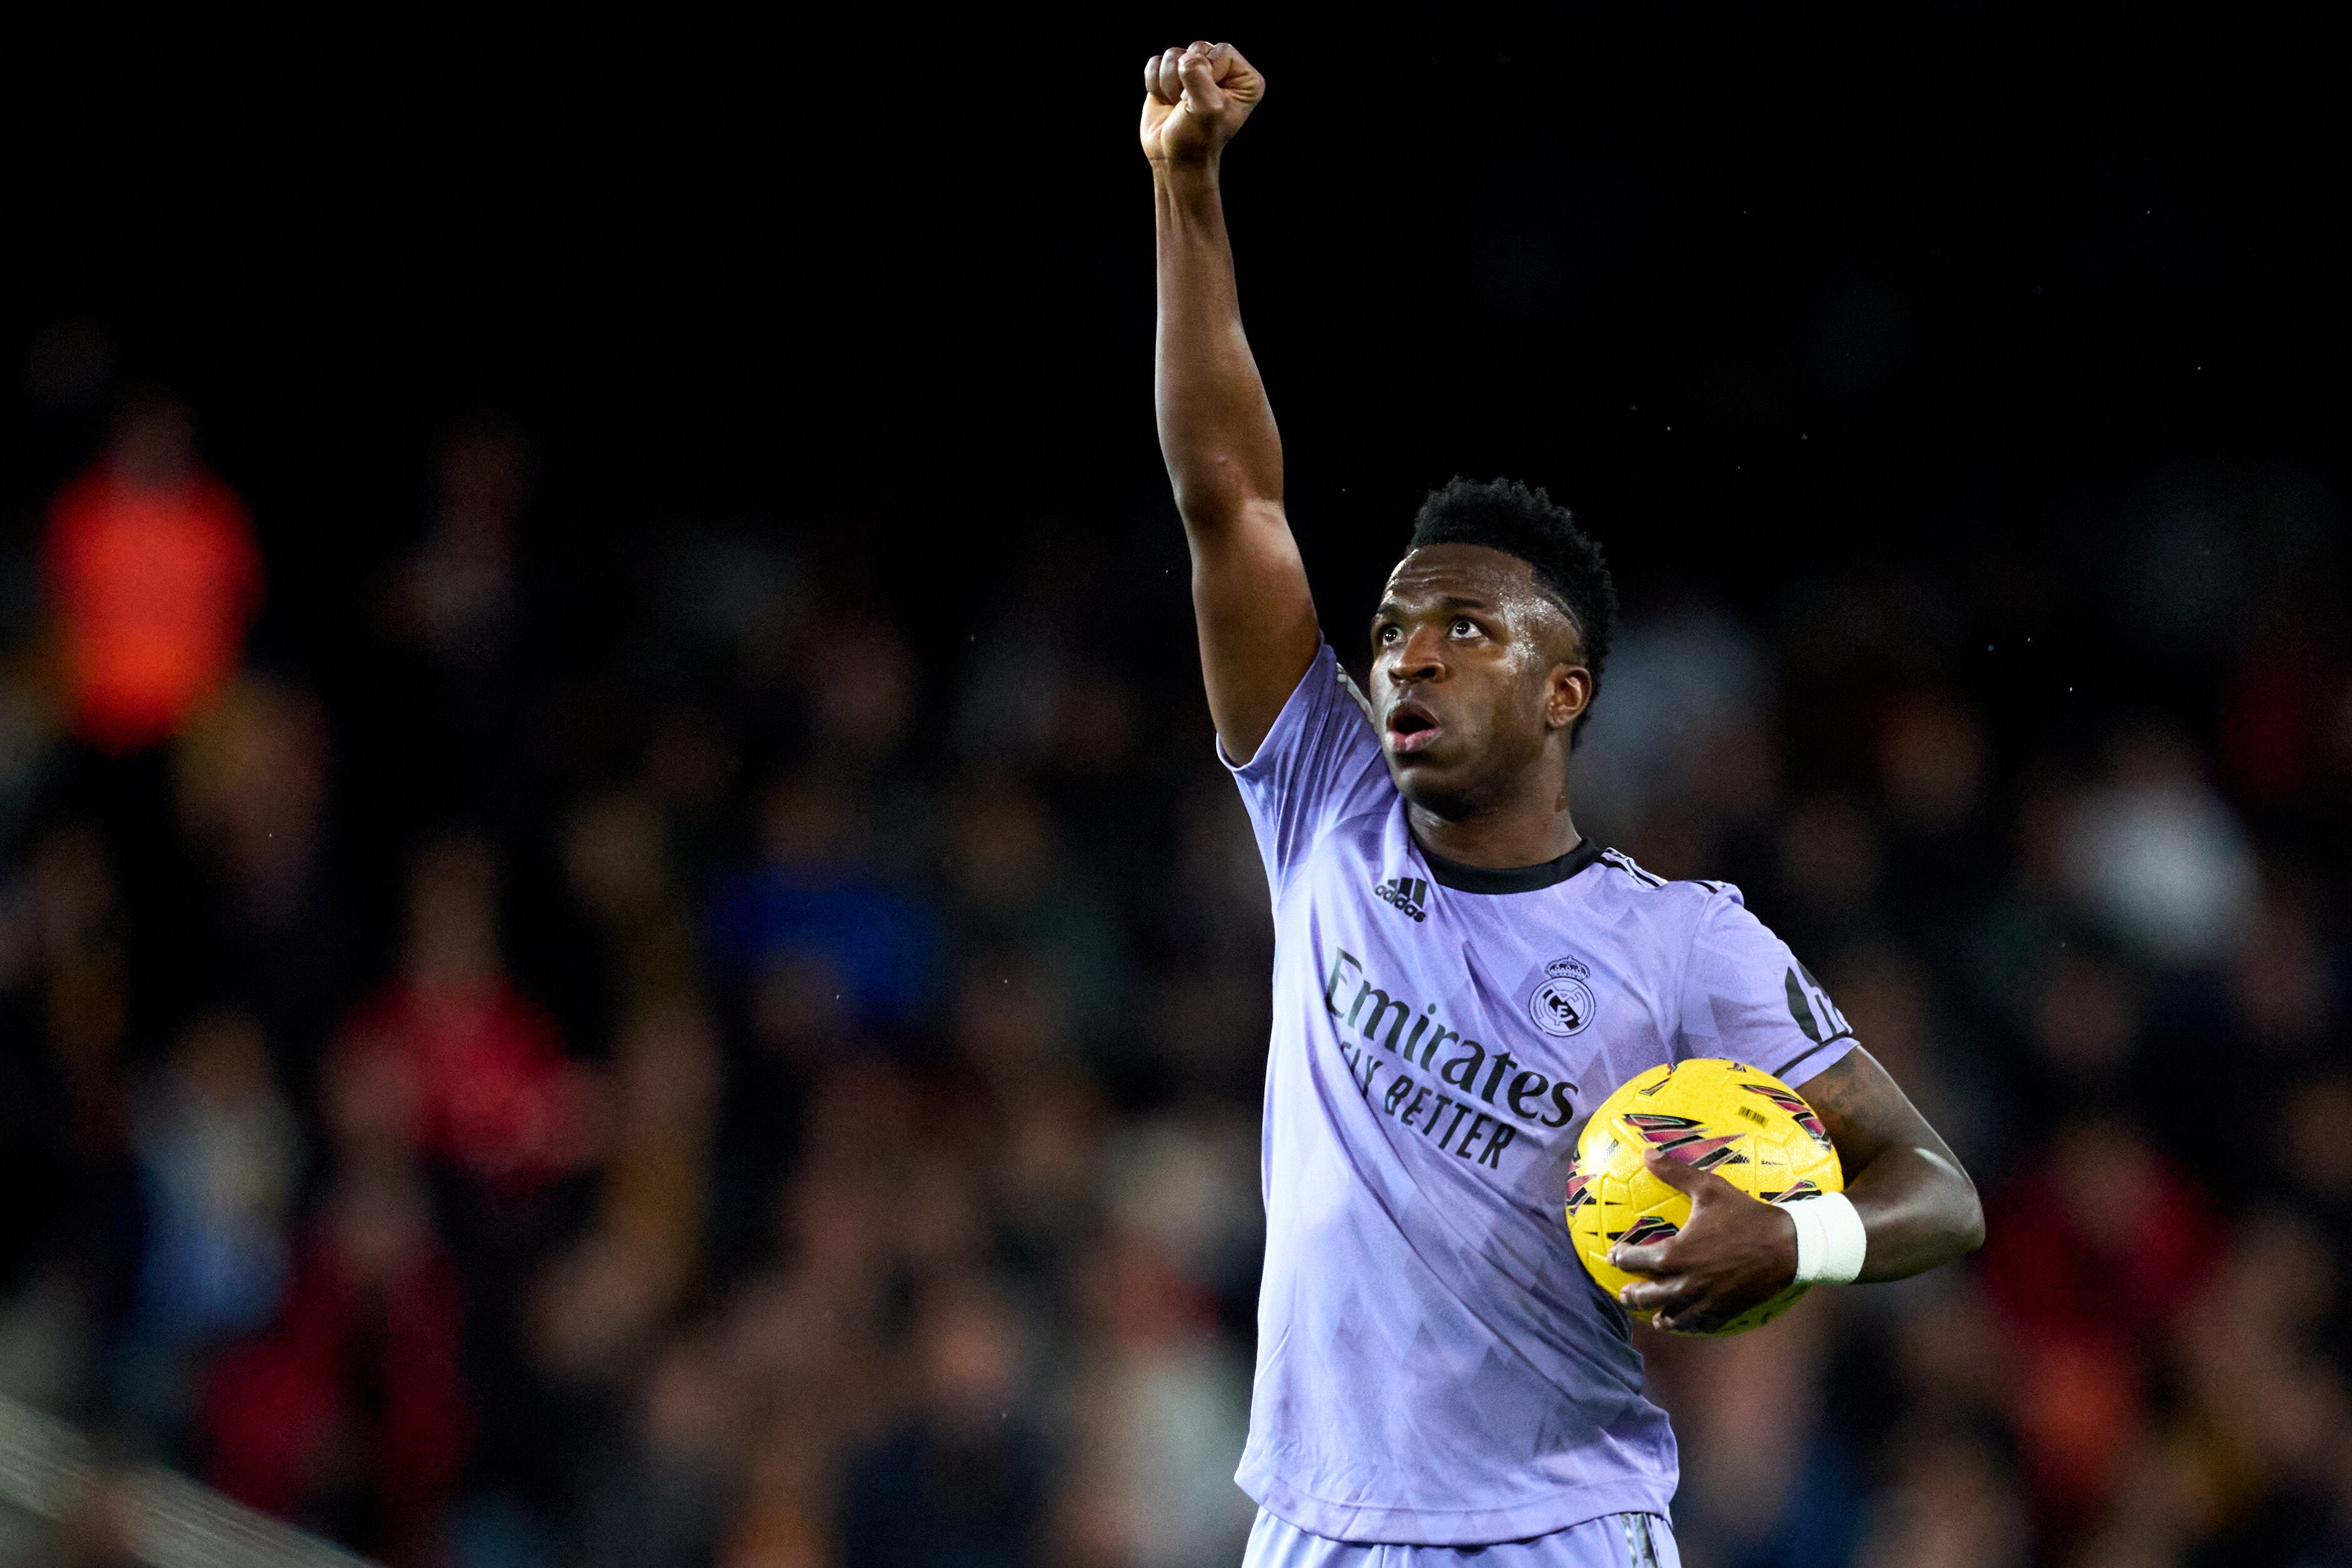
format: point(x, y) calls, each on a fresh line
point(1505, 515)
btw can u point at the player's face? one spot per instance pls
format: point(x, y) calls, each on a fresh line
point(1467, 653)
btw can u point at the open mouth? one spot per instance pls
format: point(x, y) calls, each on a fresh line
point(1412, 728)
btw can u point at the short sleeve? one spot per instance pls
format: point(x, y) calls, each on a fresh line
point(1747, 997)
point(1320, 754)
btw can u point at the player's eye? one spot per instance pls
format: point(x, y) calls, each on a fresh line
point(1386, 633)
point(1463, 626)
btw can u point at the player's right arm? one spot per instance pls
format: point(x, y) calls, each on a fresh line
point(1250, 597)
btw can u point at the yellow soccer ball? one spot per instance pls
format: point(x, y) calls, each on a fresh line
point(1744, 1125)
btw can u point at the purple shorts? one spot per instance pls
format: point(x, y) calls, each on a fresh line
point(1612, 1541)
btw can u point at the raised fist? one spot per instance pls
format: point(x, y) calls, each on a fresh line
point(1195, 99)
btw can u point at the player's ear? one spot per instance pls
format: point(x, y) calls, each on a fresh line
point(1568, 693)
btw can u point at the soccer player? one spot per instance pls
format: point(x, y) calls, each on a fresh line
point(1459, 976)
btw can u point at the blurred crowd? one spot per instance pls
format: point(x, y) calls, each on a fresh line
point(722, 1072)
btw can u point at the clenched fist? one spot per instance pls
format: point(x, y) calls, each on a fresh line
point(1195, 99)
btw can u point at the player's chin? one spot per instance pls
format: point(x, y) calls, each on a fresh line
point(1435, 784)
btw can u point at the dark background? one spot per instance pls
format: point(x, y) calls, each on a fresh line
point(1747, 286)
point(1957, 390)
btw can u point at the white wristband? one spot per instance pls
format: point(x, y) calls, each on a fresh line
point(1830, 1241)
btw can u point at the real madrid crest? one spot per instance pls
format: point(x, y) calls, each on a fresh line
point(1563, 1004)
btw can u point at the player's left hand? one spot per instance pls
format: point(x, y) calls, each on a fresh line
point(1734, 1253)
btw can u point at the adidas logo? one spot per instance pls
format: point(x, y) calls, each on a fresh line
point(1408, 894)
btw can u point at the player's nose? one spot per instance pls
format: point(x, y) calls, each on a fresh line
point(1422, 657)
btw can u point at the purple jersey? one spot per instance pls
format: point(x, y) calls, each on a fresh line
point(1434, 1365)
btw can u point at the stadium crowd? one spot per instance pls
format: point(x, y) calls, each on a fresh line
point(707, 1071)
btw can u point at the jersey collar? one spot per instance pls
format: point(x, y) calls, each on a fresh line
point(1463, 878)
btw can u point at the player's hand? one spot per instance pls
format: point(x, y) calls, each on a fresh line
point(1194, 99)
point(1734, 1253)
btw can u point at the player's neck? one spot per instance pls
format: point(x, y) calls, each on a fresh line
point(1498, 839)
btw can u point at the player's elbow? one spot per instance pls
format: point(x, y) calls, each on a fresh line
point(1210, 516)
point(1959, 1213)
point(1219, 505)
point(1243, 536)
point(1966, 1231)
point(1968, 1217)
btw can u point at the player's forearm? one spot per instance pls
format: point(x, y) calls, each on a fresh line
point(1919, 1210)
point(1917, 1206)
point(1216, 428)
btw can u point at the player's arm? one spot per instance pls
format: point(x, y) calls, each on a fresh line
point(1917, 1208)
point(1250, 597)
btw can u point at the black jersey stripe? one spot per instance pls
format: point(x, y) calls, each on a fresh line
point(1624, 863)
